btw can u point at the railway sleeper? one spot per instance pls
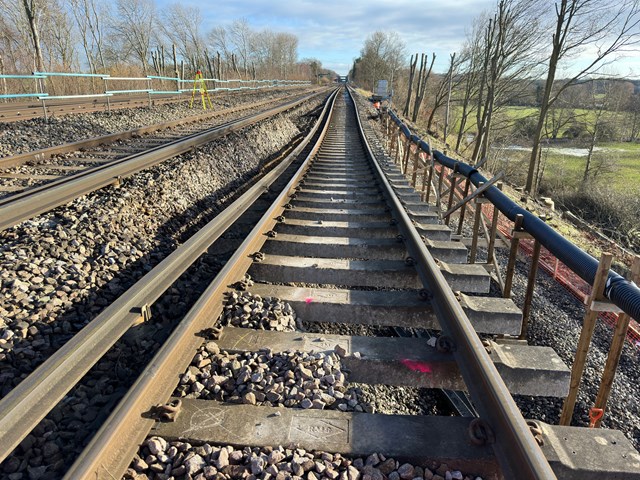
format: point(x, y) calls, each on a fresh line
point(399, 308)
point(353, 215)
point(411, 361)
point(573, 453)
point(374, 273)
point(355, 247)
point(363, 229)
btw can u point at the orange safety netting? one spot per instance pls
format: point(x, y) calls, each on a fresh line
point(562, 274)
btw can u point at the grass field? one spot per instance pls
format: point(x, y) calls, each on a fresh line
point(563, 166)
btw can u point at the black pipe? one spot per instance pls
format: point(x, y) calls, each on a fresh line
point(624, 294)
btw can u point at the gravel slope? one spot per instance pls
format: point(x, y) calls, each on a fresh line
point(90, 251)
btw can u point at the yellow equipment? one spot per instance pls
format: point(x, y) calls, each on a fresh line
point(200, 85)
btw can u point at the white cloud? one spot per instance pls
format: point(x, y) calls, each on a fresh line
point(335, 31)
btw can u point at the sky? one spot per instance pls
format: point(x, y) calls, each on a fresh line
point(334, 31)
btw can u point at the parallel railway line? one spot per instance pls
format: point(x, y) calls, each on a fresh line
point(15, 111)
point(94, 163)
point(346, 242)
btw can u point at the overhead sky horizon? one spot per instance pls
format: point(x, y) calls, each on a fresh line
point(334, 31)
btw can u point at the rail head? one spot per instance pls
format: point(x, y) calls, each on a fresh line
point(517, 452)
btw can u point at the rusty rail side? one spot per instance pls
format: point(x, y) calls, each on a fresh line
point(517, 452)
point(108, 454)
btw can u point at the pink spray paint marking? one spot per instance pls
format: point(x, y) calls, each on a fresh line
point(416, 365)
point(308, 300)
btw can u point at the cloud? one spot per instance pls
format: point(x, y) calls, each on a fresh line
point(334, 31)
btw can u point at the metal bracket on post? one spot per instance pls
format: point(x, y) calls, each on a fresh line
point(588, 326)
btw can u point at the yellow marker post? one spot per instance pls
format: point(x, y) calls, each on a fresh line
point(200, 85)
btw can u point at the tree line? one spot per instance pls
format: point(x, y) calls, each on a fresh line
point(131, 37)
point(523, 52)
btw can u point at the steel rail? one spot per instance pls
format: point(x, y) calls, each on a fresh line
point(517, 452)
point(17, 210)
point(16, 111)
point(38, 394)
point(108, 454)
point(48, 152)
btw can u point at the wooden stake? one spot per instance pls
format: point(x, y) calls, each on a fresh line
point(476, 231)
point(416, 161)
point(406, 151)
point(531, 283)
point(588, 325)
point(467, 186)
point(494, 230)
point(513, 254)
point(619, 336)
point(481, 188)
point(426, 189)
point(440, 180)
point(452, 192)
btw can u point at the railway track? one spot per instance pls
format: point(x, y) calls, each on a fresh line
point(346, 243)
point(15, 111)
point(35, 182)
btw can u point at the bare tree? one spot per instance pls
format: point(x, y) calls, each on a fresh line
point(134, 28)
point(382, 56)
point(606, 26)
point(633, 108)
point(89, 18)
point(606, 100)
point(182, 26)
point(412, 73)
point(34, 10)
point(470, 72)
point(446, 84)
point(509, 54)
point(241, 35)
point(14, 37)
point(59, 36)
point(421, 88)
